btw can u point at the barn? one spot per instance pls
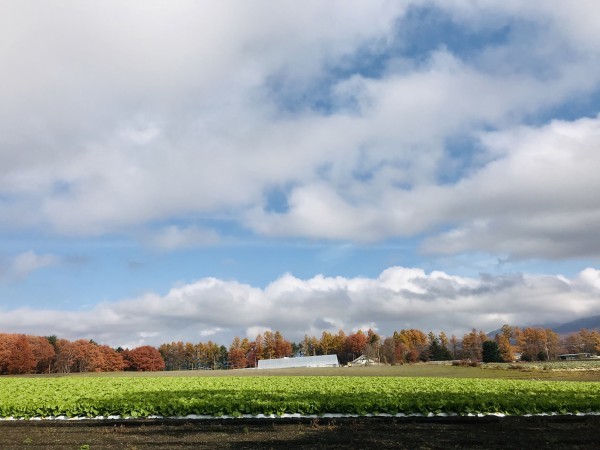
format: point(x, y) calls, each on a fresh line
point(301, 361)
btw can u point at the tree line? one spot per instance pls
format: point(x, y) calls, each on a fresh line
point(23, 354)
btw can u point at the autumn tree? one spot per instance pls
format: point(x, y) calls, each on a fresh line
point(268, 345)
point(453, 346)
point(216, 355)
point(5, 349)
point(88, 357)
point(66, 355)
point(372, 349)
point(283, 348)
point(237, 354)
point(144, 359)
point(412, 344)
point(254, 353)
point(573, 343)
point(538, 344)
point(388, 351)
point(166, 351)
point(237, 358)
point(180, 355)
point(43, 353)
point(584, 341)
point(308, 345)
point(444, 341)
point(112, 360)
point(472, 344)
point(504, 346)
point(21, 358)
point(339, 342)
point(356, 343)
point(258, 348)
point(327, 343)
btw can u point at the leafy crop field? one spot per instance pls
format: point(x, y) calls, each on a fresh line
point(306, 395)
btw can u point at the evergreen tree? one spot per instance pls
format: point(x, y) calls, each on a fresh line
point(491, 352)
point(437, 351)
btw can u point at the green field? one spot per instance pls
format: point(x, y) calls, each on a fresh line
point(344, 391)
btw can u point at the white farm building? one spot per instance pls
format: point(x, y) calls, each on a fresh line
point(301, 361)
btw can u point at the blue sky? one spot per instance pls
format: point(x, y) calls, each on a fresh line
point(187, 170)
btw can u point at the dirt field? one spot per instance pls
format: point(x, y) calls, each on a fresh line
point(559, 432)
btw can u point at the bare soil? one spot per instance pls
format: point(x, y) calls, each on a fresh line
point(556, 432)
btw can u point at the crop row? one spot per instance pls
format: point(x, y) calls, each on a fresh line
point(235, 396)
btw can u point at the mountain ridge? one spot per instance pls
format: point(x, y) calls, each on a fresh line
point(573, 326)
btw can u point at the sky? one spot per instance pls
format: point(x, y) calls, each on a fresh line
point(197, 170)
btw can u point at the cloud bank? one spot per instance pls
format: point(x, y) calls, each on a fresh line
point(398, 298)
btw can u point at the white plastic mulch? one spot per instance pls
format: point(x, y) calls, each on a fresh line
point(292, 416)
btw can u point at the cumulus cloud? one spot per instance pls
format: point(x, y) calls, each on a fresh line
point(112, 121)
point(398, 298)
point(23, 264)
point(537, 199)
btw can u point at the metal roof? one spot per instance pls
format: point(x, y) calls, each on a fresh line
point(302, 361)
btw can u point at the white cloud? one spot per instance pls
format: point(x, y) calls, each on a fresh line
point(174, 237)
point(25, 263)
point(537, 199)
point(398, 298)
point(116, 116)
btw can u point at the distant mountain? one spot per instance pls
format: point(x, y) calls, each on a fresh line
point(589, 323)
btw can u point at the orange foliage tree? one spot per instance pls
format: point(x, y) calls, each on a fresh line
point(144, 359)
point(537, 344)
point(16, 355)
point(504, 346)
point(43, 353)
point(112, 361)
point(356, 343)
point(237, 354)
point(472, 345)
point(21, 357)
point(412, 345)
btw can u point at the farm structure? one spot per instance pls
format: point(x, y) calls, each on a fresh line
point(302, 361)
point(363, 360)
point(576, 356)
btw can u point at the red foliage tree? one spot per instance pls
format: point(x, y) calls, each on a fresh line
point(66, 355)
point(112, 361)
point(5, 350)
point(43, 353)
point(237, 353)
point(254, 352)
point(356, 343)
point(144, 359)
point(88, 357)
point(237, 358)
point(21, 357)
